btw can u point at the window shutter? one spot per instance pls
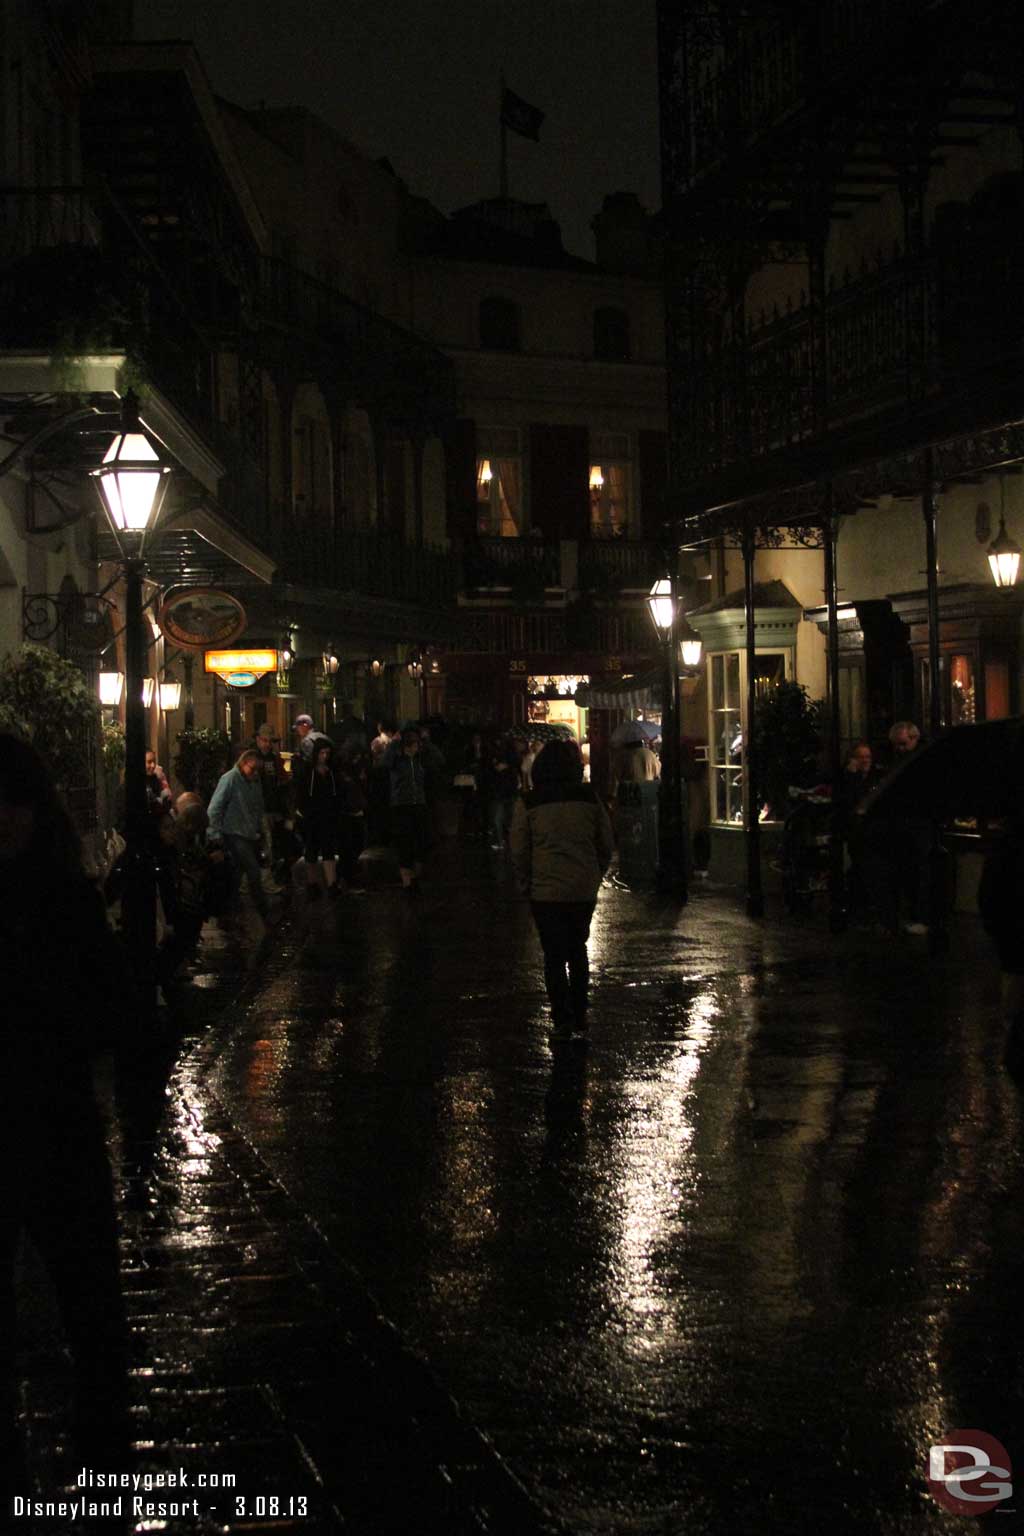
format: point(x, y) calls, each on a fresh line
point(559, 481)
point(652, 455)
point(460, 478)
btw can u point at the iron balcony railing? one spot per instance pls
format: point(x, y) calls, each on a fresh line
point(496, 562)
point(367, 561)
point(394, 367)
point(769, 70)
point(609, 565)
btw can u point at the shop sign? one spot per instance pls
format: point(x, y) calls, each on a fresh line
point(195, 617)
point(240, 669)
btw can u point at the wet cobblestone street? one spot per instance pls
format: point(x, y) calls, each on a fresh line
point(733, 1268)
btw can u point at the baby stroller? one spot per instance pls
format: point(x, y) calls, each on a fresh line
point(804, 856)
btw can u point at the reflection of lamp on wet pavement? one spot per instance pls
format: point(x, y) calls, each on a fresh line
point(663, 604)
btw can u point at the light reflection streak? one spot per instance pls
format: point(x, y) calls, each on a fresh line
point(657, 1177)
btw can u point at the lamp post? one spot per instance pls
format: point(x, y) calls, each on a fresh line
point(663, 604)
point(132, 482)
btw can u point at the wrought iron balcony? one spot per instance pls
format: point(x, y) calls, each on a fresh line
point(618, 565)
point(395, 369)
point(746, 80)
point(513, 563)
point(366, 561)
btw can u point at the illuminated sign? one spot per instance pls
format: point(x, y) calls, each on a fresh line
point(240, 669)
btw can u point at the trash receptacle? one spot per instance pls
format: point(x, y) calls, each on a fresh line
point(636, 830)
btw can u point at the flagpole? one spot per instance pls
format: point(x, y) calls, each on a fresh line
point(503, 162)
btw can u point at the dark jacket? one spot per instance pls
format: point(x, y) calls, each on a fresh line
point(319, 797)
point(561, 842)
point(407, 774)
point(273, 779)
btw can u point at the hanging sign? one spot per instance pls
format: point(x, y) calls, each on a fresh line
point(195, 617)
point(240, 669)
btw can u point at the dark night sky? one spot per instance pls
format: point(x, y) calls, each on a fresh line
point(417, 81)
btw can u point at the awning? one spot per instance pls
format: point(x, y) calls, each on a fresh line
point(197, 549)
point(632, 694)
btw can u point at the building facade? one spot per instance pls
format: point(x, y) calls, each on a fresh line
point(843, 204)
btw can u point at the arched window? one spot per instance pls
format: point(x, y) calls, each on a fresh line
point(499, 325)
point(611, 335)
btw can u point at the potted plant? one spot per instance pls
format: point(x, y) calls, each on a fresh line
point(201, 758)
point(787, 743)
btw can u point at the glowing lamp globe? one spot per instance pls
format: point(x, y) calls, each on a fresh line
point(661, 605)
point(1003, 557)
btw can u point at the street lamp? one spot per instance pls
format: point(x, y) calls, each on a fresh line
point(132, 482)
point(663, 605)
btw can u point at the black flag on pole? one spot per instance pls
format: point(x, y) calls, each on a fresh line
point(518, 115)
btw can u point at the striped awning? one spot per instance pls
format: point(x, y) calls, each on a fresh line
point(632, 694)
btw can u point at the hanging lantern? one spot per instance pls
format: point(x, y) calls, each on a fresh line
point(1003, 557)
point(111, 689)
point(376, 668)
point(330, 663)
point(596, 478)
point(415, 669)
point(170, 694)
point(690, 650)
point(148, 689)
point(486, 473)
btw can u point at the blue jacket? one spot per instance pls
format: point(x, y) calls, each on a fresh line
point(236, 807)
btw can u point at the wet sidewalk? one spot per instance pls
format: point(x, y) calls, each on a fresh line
point(264, 1370)
point(731, 1269)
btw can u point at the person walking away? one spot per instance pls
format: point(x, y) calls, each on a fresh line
point(410, 813)
point(319, 804)
point(503, 780)
point(274, 783)
point(468, 785)
point(67, 993)
point(561, 842)
point(236, 824)
point(309, 737)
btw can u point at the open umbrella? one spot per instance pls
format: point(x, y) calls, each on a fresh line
point(971, 771)
point(630, 732)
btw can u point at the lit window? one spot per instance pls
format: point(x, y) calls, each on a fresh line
point(609, 486)
point(499, 484)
